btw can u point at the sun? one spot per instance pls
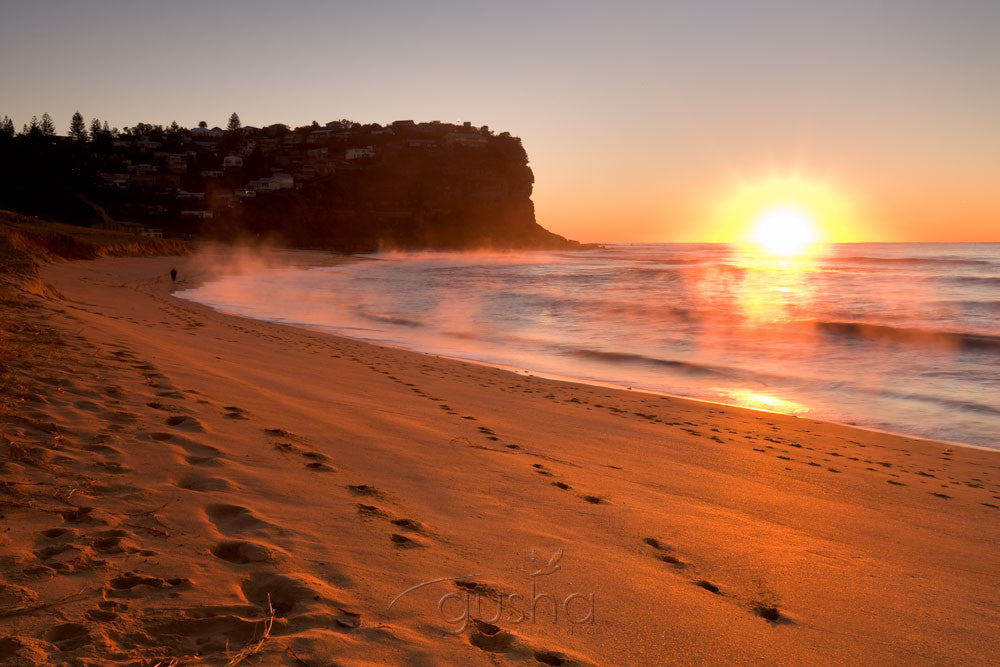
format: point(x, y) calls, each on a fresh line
point(784, 230)
point(781, 215)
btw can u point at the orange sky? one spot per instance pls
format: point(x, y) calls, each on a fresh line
point(642, 119)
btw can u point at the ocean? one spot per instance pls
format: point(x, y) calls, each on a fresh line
point(900, 337)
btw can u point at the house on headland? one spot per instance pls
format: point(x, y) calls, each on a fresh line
point(468, 139)
point(359, 153)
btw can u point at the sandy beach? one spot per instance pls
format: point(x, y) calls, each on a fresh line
point(179, 485)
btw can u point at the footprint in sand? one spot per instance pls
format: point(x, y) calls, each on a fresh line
point(708, 586)
point(404, 541)
point(770, 613)
point(285, 594)
point(234, 412)
point(409, 524)
point(170, 394)
point(494, 639)
point(185, 423)
point(318, 461)
point(281, 433)
point(242, 553)
point(234, 520)
point(68, 636)
point(668, 558)
point(197, 453)
point(364, 490)
point(203, 484)
point(371, 510)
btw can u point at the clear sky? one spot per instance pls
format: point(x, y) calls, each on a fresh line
point(644, 121)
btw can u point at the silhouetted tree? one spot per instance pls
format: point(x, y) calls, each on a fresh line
point(107, 130)
point(174, 127)
point(95, 129)
point(77, 128)
point(6, 127)
point(234, 123)
point(47, 126)
point(32, 129)
point(202, 124)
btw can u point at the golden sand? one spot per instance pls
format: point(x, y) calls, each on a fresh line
point(180, 483)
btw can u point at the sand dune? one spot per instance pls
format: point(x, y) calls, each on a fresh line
point(181, 486)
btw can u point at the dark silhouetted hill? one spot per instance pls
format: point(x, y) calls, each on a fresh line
point(342, 186)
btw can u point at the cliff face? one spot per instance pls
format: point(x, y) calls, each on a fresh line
point(429, 195)
point(343, 186)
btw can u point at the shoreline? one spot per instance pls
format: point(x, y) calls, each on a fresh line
point(179, 471)
point(311, 260)
point(682, 397)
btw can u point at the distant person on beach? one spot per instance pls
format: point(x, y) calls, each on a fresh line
point(173, 275)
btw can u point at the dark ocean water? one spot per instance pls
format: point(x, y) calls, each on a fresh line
point(903, 337)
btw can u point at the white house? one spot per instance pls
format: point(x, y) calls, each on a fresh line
point(359, 153)
point(277, 181)
point(421, 143)
point(262, 184)
point(117, 180)
point(319, 135)
point(232, 161)
point(284, 181)
point(466, 139)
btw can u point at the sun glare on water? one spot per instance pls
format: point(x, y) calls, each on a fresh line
point(785, 230)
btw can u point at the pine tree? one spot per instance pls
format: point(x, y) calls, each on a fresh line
point(234, 123)
point(77, 128)
point(6, 127)
point(47, 127)
point(95, 129)
point(32, 129)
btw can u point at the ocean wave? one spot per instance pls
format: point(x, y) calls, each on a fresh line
point(956, 404)
point(975, 305)
point(630, 357)
point(388, 319)
point(917, 261)
point(984, 281)
point(883, 332)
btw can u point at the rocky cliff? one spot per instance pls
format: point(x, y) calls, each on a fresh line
point(343, 186)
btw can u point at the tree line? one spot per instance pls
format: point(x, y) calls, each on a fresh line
point(78, 129)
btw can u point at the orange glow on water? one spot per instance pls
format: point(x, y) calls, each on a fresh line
point(759, 401)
